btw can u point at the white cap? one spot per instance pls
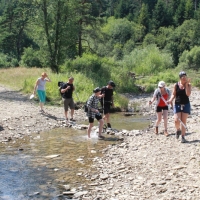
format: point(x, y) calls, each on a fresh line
point(161, 84)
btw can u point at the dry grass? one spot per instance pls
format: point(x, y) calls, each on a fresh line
point(15, 77)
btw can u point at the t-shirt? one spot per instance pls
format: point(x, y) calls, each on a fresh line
point(108, 94)
point(161, 102)
point(68, 93)
point(41, 84)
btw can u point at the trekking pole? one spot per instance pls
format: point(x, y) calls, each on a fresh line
point(174, 114)
point(104, 125)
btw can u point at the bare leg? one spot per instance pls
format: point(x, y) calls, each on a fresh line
point(165, 118)
point(41, 105)
point(177, 122)
point(100, 126)
point(72, 113)
point(159, 118)
point(89, 129)
point(183, 118)
point(66, 113)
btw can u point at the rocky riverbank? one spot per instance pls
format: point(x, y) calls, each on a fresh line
point(146, 166)
point(143, 166)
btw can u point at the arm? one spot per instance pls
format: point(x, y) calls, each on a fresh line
point(48, 79)
point(173, 95)
point(65, 88)
point(152, 100)
point(36, 84)
point(188, 88)
point(89, 104)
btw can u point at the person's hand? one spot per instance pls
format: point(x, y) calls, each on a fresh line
point(150, 102)
point(188, 81)
point(68, 87)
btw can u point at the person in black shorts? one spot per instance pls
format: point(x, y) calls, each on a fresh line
point(107, 101)
point(67, 92)
point(93, 112)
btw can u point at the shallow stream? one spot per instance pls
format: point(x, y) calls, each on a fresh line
point(44, 165)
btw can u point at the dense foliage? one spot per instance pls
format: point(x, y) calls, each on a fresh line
point(103, 39)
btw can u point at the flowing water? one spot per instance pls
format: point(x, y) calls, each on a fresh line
point(40, 166)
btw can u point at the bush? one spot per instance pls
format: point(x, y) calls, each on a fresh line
point(30, 58)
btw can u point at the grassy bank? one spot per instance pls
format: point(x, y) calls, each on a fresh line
point(24, 79)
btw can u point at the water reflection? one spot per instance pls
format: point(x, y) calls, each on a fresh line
point(38, 167)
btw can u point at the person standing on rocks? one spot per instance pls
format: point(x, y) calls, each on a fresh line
point(181, 92)
point(107, 101)
point(93, 112)
point(40, 87)
point(161, 95)
point(67, 93)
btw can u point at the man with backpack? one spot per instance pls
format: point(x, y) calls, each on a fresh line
point(67, 92)
point(107, 101)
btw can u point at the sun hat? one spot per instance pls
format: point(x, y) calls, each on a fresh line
point(111, 83)
point(96, 90)
point(182, 73)
point(161, 84)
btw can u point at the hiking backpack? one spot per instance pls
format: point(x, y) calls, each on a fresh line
point(60, 85)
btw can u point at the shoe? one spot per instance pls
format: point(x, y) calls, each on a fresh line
point(73, 120)
point(178, 133)
point(166, 133)
point(156, 130)
point(108, 125)
point(183, 140)
point(101, 137)
point(41, 111)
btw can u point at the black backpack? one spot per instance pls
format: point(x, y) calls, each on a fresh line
point(60, 85)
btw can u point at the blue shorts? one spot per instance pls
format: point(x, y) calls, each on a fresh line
point(185, 108)
point(42, 95)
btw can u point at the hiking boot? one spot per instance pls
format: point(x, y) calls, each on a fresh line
point(166, 133)
point(156, 130)
point(178, 133)
point(101, 137)
point(183, 140)
point(108, 125)
point(73, 120)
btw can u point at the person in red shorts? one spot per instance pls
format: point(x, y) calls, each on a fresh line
point(161, 95)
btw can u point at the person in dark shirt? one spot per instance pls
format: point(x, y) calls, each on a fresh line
point(67, 93)
point(181, 93)
point(107, 101)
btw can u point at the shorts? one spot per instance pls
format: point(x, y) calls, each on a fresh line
point(68, 103)
point(107, 107)
point(185, 108)
point(98, 117)
point(42, 95)
point(159, 109)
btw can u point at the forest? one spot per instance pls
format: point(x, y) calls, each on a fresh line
point(102, 39)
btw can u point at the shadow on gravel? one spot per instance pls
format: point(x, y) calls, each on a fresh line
point(193, 141)
point(13, 96)
point(111, 139)
point(49, 116)
point(1, 128)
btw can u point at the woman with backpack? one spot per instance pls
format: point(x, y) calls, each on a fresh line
point(93, 112)
point(161, 95)
point(181, 93)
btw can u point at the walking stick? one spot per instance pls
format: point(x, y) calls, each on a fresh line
point(104, 125)
point(176, 115)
